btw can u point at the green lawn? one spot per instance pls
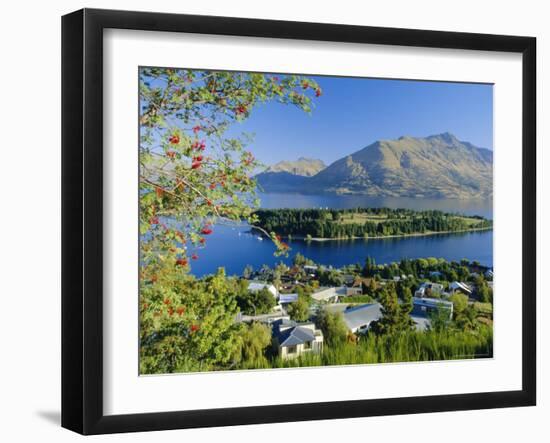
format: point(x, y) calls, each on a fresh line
point(378, 218)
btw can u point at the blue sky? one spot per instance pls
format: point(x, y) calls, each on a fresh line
point(354, 112)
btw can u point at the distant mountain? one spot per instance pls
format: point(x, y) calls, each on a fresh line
point(287, 176)
point(438, 166)
point(303, 166)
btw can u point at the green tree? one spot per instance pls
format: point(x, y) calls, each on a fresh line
point(395, 317)
point(299, 310)
point(403, 291)
point(256, 302)
point(370, 267)
point(186, 324)
point(483, 293)
point(300, 260)
point(460, 303)
point(331, 277)
point(440, 318)
point(406, 307)
point(373, 287)
point(248, 271)
point(333, 326)
point(253, 340)
point(467, 320)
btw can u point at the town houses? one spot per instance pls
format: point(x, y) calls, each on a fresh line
point(304, 290)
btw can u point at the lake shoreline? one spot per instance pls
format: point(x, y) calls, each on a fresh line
point(378, 237)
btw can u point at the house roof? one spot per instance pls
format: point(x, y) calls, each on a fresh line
point(429, 284)
point(324, 293)
point(293, 335)
point(460, 285)
point(258, 286)
point(348, 278)
point(432, 302)
point(288, 298)
point(362, 315)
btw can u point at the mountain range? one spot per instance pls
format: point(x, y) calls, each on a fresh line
point(288, 176)
point(306, 167)
point(438, 166)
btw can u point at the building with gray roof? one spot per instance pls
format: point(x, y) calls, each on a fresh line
point(293, 339)
point(359, 318)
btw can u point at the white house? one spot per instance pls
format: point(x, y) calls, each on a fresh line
point(293, 339)
point(329, 294)
point(460, 287)
point(433, 288)
point(255, 286)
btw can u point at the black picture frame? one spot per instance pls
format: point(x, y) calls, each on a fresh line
point(82, 215)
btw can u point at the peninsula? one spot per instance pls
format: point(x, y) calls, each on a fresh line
point(332, 224)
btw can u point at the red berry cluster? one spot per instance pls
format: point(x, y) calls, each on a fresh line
point(206, 231)
point(181, 262)
point(199, 145)
point(241, 109)
point(197, 162)
point(174, 139)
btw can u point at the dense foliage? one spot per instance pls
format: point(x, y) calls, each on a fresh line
point(363, 222)
point(194, 174)
point(186, 324)
point(254, 303)
point(410, 346)
point(434, 269)
point(190, 324)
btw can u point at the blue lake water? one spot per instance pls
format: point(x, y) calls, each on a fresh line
point(233, 247)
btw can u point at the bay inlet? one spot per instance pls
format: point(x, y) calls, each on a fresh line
point(234, 247)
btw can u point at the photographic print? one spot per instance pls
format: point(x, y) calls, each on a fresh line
point(291, 220)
